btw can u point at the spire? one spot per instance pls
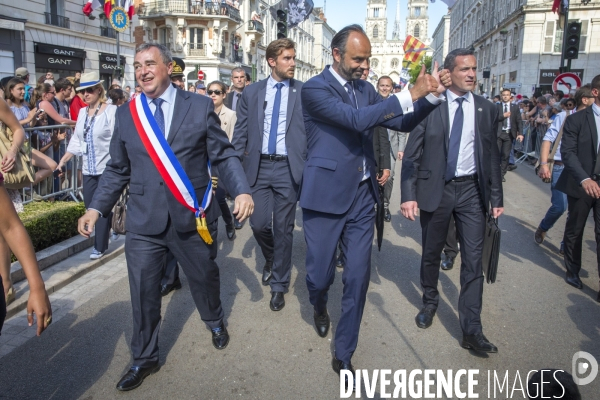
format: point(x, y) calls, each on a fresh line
point(396, 31)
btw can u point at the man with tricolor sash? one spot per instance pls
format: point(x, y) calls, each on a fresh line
point(164, 145)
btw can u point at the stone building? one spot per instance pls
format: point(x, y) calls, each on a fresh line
point(440, 41)
point(55, 36)
point(518, 43)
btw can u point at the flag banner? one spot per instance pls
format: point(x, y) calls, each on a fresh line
point(450, 3)
point(90, 6)
point(413, 49)
point(298, 11)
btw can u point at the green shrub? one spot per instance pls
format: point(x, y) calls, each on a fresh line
point(49, 223)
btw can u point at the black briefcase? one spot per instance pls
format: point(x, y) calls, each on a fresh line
point(491, 249)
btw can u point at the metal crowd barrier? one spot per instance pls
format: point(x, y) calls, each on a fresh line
point(531, 145)
point(58, 188)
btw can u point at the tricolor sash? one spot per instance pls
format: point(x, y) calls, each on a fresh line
point(168, 166)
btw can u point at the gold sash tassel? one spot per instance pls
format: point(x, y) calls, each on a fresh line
point(202, 228)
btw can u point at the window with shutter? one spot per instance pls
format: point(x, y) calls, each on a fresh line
point(584, 35)
point(549, 37)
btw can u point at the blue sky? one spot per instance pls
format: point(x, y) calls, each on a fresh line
point(340, 13)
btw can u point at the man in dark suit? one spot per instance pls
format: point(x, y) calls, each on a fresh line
point(509, 128)
point(156, 220)
point(462, 184)
point(238, 81)
point(339, 186)
point(269, 135)
point(579, 180)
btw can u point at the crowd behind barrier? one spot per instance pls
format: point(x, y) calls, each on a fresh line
point(69, 184)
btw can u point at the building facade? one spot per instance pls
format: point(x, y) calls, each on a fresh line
point(440, 42)
point(518, 43)
point(323, 34)
point(56, 36)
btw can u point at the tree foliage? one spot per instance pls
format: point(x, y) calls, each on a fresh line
point(415, 68)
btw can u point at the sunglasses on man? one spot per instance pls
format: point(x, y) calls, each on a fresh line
point(217, 92)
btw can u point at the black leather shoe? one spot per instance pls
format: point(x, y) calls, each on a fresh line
point(277, 301)
point(573, 280)
point(135, 376)
point(339, 366)
point(230, 231)
point(387, 216)
point(511, 167)
point(220, 337)
point(166, 289)
point(478, 342)
point(448, 263)
point(237, 224)
point(322, 323)
point(267, 273)
point(424, 318)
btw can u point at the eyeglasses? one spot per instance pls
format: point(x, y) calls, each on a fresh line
point(217, 92)
point(51, 92)
point(89, 90)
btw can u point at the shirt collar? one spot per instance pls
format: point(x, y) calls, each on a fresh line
point(271, 82)
point(451, 96)
point(341, 80)
point(596, 109)
point(168, 95)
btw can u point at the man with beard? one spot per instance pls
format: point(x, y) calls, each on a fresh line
point(269, 135)
point(339, 186)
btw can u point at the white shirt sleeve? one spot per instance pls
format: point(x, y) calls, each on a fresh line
point(406, 103)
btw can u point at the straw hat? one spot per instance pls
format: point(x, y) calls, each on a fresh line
point(89, 79)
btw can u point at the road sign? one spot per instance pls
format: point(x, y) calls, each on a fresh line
point(119, 19)
point(511, 86)
point(200, 75)
point(566, 82)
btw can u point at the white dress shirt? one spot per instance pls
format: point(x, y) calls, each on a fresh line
point(596, 110)
point(167, 106)
point(553, 130)
point(466, 153)
point(270, 102)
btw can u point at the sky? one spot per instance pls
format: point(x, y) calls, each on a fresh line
point(340, 13)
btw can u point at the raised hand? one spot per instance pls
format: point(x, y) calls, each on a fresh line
point(424, 85)
point(442, 77)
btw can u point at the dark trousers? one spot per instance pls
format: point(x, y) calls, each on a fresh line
point(146, 266)
point(2, 307)
point(505, 145)
point(451, 246)
point(225, 211)
point(171, 270)
point(463, 201)
point(322, 232)
point(275, 195)
point(579, 209)
point(102, 228)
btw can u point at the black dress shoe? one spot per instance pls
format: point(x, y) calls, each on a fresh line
point(230, 231)
point(339, 366)
point(448, 263)
point(277, 301)
point(424, 318)
point(220, 337)
point(478, 342)
point(135, 376)
point(166, 289)
point(237, 224)
point(322, 323)
point(573, 280)
point(511, 167)
point(267, 273)
point(387, 216)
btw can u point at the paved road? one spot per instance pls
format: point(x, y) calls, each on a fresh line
point(530, 313)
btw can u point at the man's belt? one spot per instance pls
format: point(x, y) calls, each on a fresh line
point(273, 157)
point(560, 163)
point(464, 178)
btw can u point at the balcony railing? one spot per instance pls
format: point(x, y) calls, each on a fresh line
point(256, 26)
point(196, 50)
point(108, 32)
point(158, 7)
point(58, 20)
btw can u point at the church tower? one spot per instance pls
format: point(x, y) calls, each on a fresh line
point(376, 22)
point(396, 32)
point(417, 19)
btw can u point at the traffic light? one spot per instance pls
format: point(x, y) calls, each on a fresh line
point(282, 26)
point(573, 37)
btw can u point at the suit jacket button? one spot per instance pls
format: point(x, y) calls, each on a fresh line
point(359, 169)
point(161, 184)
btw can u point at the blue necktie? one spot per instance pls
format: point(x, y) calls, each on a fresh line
point(159, 116)
point(348, 86)
point(454, 145)
point(275, 120)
